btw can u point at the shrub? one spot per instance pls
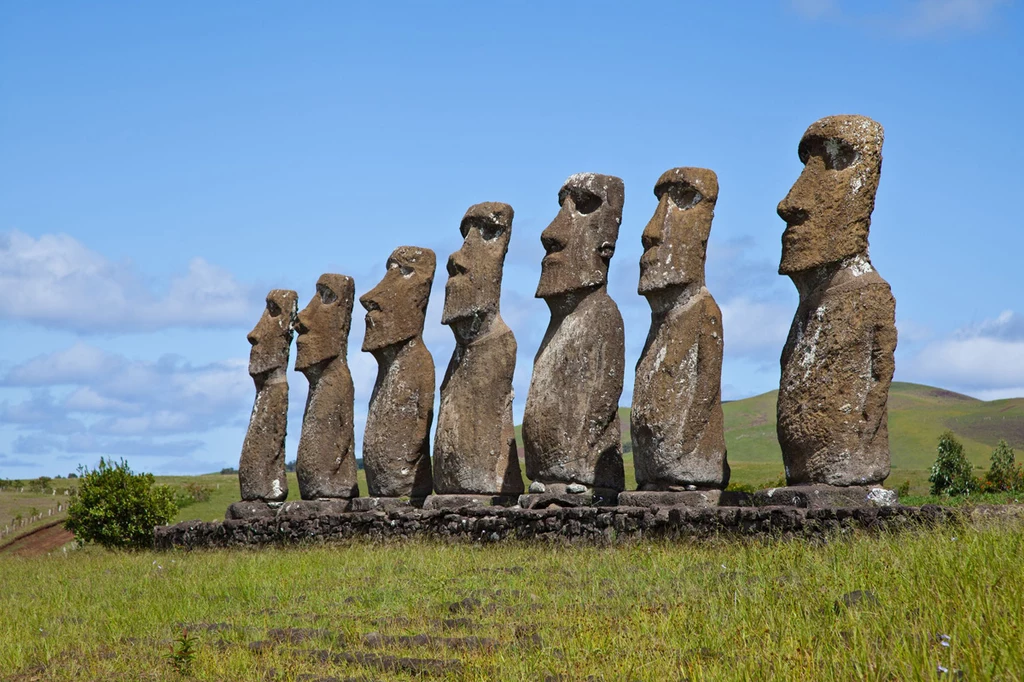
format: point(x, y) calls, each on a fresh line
point(117, 508)
point(951, 473)
point(1004, 475)
point(191, 493)
point(904, 489)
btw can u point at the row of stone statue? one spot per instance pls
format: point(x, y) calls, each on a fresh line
point(837, 363)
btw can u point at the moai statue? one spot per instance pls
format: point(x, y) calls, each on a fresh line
point(475, 445)
point(261, 474)
point(571, 431)
point(396, 444)
point(837, 363)
point(677, 425)
point(326, 461)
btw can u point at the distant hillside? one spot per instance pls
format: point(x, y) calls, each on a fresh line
point(917, 415)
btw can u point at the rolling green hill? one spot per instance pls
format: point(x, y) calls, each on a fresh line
point(917, 415)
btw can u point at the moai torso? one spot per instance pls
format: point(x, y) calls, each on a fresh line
point(261, 468)
point(838, 361)
point(677, 424)
point(571, 431)
point(475, 447)
point(396, 443)
point(326, 461)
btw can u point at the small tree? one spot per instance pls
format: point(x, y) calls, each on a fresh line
point(1004, 474)
point(951, 473)
point(117, 508)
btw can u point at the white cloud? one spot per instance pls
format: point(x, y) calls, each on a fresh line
point(56, 281)
point(931, 17)
point(84, 399)
point(814, 9)
point(985, 359)
point(914, 18)
point(755, 328)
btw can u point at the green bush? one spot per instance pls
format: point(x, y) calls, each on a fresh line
point(1004, 475)
point(951, 473)
point(117, 508)
point(191, 493)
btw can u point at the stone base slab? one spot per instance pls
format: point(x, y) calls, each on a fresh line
point(825, 497)
point(559, 497)
point(365, 504)
point(251, 509)
point(459, 501)
point(698, 499)
point(592, 525)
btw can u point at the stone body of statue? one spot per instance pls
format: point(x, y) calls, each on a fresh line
point(475, 445)
point(261, 474)
point(571, 431)
point(838, 361)
point(676, 424)
point(326, 461)
point(396, 443)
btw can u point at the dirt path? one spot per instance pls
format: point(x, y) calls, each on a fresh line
point(40, 541)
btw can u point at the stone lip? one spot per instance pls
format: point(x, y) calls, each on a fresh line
point(365, 504)
point(579, 525)
point(826, 497)
point(460, 501)
point(563, 495)
point(688, 498)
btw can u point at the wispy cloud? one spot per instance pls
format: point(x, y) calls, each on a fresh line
point(83, 399)
point(908, 18)
point(984, 359)
point(57, 282)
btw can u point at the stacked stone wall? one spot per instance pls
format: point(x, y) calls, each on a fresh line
point(587, 525)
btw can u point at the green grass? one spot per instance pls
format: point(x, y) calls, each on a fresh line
point(718, 610)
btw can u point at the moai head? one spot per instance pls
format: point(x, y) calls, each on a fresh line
point(396, 308)
point(323, 325)
point(580, 241)
point(676, 238)
point(474, 271)
point(828, 210)
point(271, 338)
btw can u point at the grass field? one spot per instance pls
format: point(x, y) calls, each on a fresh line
point(736, 610)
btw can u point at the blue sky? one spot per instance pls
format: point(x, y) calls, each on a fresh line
point(162, 165)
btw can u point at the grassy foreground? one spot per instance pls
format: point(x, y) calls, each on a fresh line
point(714, 610)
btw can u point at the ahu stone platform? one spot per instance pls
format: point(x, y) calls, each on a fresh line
point(295, 524)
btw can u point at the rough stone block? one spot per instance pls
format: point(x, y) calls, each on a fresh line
point(365, 504)
point(559, 497)
point(250, 510)
point(459, 501)
point(825, 496)
point(688, 498)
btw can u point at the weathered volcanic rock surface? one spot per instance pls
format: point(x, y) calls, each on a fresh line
point(838, 361)
point(261, 467)
point(571, 431)
point(326, 463)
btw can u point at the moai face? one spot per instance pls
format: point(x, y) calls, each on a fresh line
point(395, 308)
point(323, 325)
point(271, 338)
point(676, 238)
point(580, 241)
point(474, 271)
point(828, 210)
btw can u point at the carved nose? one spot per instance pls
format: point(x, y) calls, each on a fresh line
point(252, 339)
point(299, 325)
point(790, 212)
point(454, 266)
point(551, 244)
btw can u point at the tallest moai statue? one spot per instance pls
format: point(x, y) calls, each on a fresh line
point(837, 363)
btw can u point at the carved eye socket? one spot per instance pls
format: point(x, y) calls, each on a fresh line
point(683, 196)
point(401, 267)
point(489, 230)
point(326, 295)
point(837, 154)
point(584, 201)
point(274, 309)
